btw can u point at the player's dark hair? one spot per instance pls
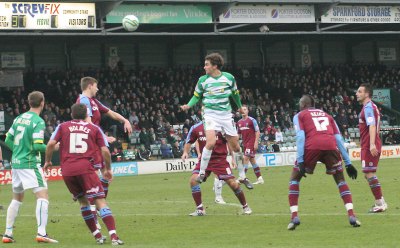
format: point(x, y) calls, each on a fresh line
point(215, 59)
point(86, 81)
point(78, 111)
point(368, 88)
point(35, 98)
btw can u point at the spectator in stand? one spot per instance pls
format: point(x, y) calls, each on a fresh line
point(287, 122)
point(194, 117)
point(133, 118)
point(342, 120)
point(135, 127)
point(275, 119)
point(271, 135)
point(116, 155)
point(153, 136)
point(262, 147)
point(144, 138)
point(144, 123)
point(47, 133)
point(66, 115)
point(176, 150)
point(346, 137)
point(185, 133)
point(265, 136)
point(278, 136)
point(268, 127)
point(143, 153)
point(171, 139)
point(353, 122)
point(187, 124)
point(165, 149)
point(389, 140)
point(260, 123)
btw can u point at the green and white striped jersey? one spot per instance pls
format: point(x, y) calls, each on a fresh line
point(27, 129)
point(215, 92)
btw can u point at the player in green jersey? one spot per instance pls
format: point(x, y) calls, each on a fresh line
point(25, 139)
point(215, 90)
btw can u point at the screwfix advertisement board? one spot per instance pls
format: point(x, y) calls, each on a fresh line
point(47, 16)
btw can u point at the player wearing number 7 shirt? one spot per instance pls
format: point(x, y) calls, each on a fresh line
point(318, 139)
point(79, 142)
point(25, 139)
point(370, 144)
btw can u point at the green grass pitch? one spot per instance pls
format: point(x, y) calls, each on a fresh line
point(152, 211)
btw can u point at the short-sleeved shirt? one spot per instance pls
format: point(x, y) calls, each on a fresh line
point(26, 130)
point(369, 115)
point(215, 92)
point(196, 132)
point(248, 128)
point(319, 128)
point(94, 108)
point(79, 142)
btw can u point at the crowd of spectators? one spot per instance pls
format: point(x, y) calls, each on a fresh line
point(150, 99)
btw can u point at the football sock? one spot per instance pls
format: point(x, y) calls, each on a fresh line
point(205, 158)
point(88, 217)
point(346, 196)
point(218, 187)
point(240, 195)
point(375, 187)
point(196, 194)
point(12, 213)
point(94, 211)
point(246, 168)
point(42, 215)
point(294, 191)
point(238, 156)
point(257, 170)
point(105, 185)
point(109, 221)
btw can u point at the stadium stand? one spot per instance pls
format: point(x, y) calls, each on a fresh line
point(150, 99)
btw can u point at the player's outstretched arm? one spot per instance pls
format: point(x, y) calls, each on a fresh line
point(120, 118)
point(193, 101)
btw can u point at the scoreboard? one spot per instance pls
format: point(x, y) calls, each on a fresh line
point(47, 16)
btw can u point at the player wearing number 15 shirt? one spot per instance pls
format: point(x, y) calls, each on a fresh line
point(79, 141)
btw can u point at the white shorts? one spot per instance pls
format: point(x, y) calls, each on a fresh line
point(220, 123)
point(23, 179)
